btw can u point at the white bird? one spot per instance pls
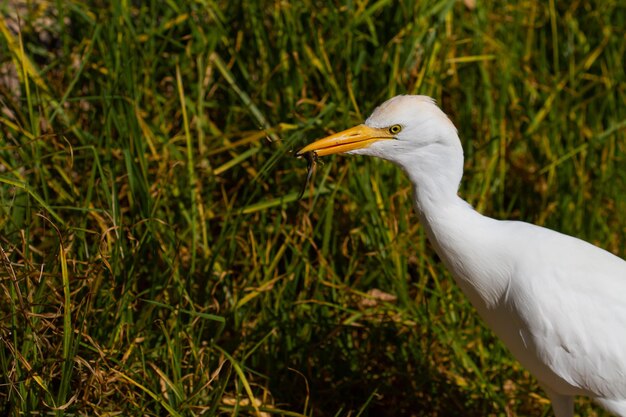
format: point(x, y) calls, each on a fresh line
point(557, 302)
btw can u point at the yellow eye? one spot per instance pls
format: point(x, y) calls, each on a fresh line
point(395, 129)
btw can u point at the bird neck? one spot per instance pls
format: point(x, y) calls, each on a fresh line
point(458, 233)
point(465, 240)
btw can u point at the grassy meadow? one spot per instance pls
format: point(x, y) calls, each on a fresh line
point(155, 259)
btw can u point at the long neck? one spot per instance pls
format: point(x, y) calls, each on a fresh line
point(460, 235)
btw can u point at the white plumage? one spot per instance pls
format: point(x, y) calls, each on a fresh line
point(557, 302)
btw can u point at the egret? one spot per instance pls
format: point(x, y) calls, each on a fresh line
point(557, 302)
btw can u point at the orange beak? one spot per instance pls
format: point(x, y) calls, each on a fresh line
point(357, 137)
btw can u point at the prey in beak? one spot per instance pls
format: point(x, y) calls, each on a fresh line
point(311, 158)
point(357, 137)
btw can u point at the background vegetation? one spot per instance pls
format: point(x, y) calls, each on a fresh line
point(156, 260)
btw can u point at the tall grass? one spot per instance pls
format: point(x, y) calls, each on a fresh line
point(156, 260)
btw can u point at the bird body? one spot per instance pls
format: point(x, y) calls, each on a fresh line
point(557, 302)
point(550, 318)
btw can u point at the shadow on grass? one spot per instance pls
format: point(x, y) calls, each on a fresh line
point(374, 371)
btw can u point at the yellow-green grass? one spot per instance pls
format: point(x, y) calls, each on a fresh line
point(156, 261)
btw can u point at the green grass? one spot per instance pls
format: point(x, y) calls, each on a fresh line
point(155, 260)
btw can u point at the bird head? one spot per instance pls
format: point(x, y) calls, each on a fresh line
point(399, 130)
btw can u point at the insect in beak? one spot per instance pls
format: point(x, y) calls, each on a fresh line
point(311, 158)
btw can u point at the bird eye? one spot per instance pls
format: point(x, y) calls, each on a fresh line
point(395, 129)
